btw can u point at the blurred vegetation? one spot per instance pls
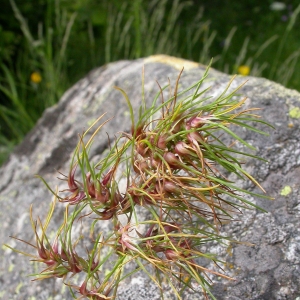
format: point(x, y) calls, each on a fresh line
point(47, 45)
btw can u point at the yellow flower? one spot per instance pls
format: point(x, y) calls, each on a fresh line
point(36, 77)
point(244, 70)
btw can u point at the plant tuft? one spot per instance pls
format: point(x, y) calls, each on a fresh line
point(177, 194)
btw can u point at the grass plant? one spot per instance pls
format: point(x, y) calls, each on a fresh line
point(175, 196)
point(37, 79)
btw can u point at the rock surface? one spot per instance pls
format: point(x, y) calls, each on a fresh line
point(269, 269)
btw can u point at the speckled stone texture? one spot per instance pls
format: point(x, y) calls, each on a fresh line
point(267, 269)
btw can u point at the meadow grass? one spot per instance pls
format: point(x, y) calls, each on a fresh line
point(49, 63)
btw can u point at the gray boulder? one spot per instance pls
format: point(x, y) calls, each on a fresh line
point(265, 266)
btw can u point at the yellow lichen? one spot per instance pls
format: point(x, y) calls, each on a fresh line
point(175, 62)
point(286, 190)
point(11, 267)
point(295, 113)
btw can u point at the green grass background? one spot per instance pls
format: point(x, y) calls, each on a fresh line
point(61, 40)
